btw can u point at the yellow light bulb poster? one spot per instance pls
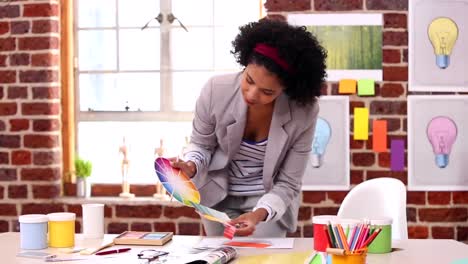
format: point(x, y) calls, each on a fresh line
point(361, 123)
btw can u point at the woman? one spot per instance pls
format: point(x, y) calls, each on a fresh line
point(253, 131)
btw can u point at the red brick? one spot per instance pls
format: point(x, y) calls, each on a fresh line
point(46, 92)
point(418, 198)
point(411, 214)
point(462, 233)
point(8, 109)
point(17, 191)
point(440, 232)
point(38, 43)
point(392, 90)
point(46, 157)
point(10, 141)
point(388, 107)
point(7, 76)
point(387, 5)
point(405, 55)
point(305, 213)
point(384, 160)
point(106, 189)
point(354, 104)
point(298, 233)
point(439, 198)
point(287, 5)
point(117, 228)
point(2, 125)
point(46, 191)
point(460, 197)
point(336, 196)
point(17, 92)
point(8, 174)
point(357, 176)
point(308, 231)
point(395, 73)
point(418, 232)
point(38, 76)
point(338, 5)
point(41, 208)
point(4, 27)
point(75, 208)
point(1, 192)
point(19, 59)
point(276, 17)
point(20, 27)
point(46, 125)
point(325, 211)
point(141, 211)
point(182, 211)
point(40, 10)
point(3, 62)
point(138, 226)
point(4, 158)
point(189, 229)
point(363, 159)
point(4, 226)
point(313, 197)
point(164, 227)
point(391, 56)
point(21, 157)
point(40, 174)
point(143, 189)
point(45, 26)
point(78, 227)
point(45, 59)
point(393, 20)
point(399, 175)
point(8, 210)
point(9, 11)
point(395, 38)
point(443, 214)
point(7, 44)
point(355, 144)
point(41, 141)
point(69, 189)
point(19, 124)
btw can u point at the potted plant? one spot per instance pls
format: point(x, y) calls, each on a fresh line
point(83, 169)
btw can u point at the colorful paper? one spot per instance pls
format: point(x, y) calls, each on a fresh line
point(397, 155)
point(379, 135)
point(347, 86)
point(229, 231)
point(361, 123)
point(366, 87)
point(247, 244)
point(281, 258)
point(176, 183)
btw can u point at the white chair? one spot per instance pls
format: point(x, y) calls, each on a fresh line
point(381, 197)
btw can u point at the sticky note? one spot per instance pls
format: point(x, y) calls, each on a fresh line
point(361, 123)
point(397, 155)
point(347, 86)
point(366, 87)
point(379, 135)
point(229, 231)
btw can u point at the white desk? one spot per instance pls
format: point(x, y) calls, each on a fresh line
point(441, 251)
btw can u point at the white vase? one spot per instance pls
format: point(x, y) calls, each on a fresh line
point(82, 187)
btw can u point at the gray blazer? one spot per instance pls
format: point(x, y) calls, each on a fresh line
point(218, 127)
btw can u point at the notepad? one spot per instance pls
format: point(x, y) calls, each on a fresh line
point(143, 238)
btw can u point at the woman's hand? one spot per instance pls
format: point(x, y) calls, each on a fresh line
point(187, 167)
point(247, 222)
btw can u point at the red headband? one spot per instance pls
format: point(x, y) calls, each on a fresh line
point(272, 53)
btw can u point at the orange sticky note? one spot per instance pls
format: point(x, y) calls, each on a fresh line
point(347, 86)
point(379, 135)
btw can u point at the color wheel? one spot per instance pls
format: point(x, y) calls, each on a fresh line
point(176, 183)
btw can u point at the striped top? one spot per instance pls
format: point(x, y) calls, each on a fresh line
point(246, 169)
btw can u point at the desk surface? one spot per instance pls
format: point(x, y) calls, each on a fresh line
point(440, 251)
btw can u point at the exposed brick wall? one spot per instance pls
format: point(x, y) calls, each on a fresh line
point(30, 150)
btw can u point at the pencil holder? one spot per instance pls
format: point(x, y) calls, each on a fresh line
point(61, 230)
point(383, 241)
point(353, 258)
point(33, 231)
point(320, 237)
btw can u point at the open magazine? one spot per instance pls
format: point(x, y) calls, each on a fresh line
point(220, 255)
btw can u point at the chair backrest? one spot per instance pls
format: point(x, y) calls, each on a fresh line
point(381, 197)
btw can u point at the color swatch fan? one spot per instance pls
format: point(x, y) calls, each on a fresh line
point(176, 183)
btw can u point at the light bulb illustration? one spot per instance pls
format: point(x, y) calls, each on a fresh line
point(319, 144)
point(443, 33)
point(442, 132)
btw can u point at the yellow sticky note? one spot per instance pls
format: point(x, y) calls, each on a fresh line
point(361, 123)
point(366, 87)
point(347, 86)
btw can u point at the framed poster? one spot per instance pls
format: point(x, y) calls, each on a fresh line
point(437, 142)
point(438, 56)
point(353, 43)
point(328, 165)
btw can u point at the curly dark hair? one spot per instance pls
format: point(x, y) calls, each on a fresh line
point(295, 45)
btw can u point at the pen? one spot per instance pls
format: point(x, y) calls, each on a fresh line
point(120, 250)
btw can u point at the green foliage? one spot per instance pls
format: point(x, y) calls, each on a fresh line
point(83, 168)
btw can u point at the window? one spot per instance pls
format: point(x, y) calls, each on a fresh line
point(142, 84)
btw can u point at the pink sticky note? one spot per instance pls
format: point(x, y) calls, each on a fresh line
point(229, 231)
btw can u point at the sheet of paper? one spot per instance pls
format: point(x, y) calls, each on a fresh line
point(215, 242)
point(279, 258)
point(397, 155)
point(361, 123)
point(347, 86)
point(379, 135)
point(366, 87)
